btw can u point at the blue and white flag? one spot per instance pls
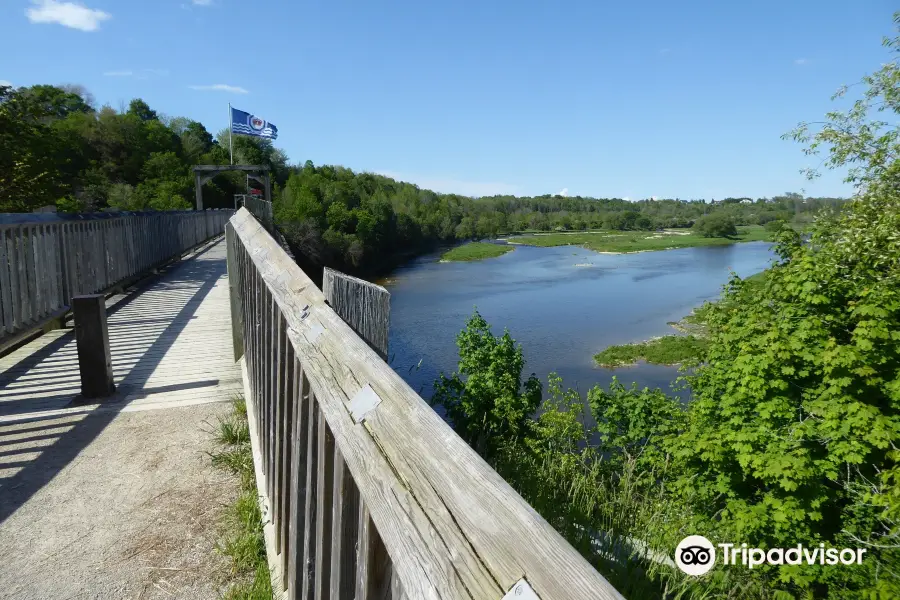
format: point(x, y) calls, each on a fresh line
point(247, 124)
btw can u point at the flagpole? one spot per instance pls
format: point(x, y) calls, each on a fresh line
point(230, 145)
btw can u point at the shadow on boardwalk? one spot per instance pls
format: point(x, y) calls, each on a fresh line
point(35, 447)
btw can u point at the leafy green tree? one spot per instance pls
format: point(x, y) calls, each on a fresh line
point(142, 110)
point(486, 399)
point(53, 102)
point(796, 413)
point(28, 148)
point(716, 225)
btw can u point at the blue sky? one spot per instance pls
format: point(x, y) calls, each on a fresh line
point(609, 99)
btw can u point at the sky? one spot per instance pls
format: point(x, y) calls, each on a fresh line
point(480, 97)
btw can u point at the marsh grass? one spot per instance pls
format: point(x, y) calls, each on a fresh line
point(667, 350)
point(609, 241)
point(475, 251)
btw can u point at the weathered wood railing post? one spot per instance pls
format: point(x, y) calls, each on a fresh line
point(92, 340)
point(364, 306)
point(234, 287)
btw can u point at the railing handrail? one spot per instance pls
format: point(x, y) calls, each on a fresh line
point(453, 528)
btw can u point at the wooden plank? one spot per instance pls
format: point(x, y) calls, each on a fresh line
point(299, 445)
point(429, 494)
point(309, 525)
point(344, 530)
point(24, 276)
point(234, 297)
point(365, 306)
point(6, 308)
point(324, 489)
point(269, 383)
point(284, 474)
point(372, 560)
point(278, 425)
point(32, 299)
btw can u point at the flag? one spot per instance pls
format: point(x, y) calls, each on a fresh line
point(247, 124)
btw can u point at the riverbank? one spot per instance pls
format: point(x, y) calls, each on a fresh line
point(670, 350)
point(475, 251)
point(624, 242)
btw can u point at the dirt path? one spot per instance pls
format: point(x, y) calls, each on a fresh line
point(134, 516)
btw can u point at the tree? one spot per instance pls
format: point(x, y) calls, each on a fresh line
point(53, 102)
point(486, 400)
point(796, 413)
point(28, 148)
point(141, 110)
point(715, 225)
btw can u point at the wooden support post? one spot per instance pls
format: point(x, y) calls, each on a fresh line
point(198, 190)
point(92, 340)
point(234, 288)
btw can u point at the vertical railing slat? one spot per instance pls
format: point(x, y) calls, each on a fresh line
point(309, 525)
point(278, 435)
point(344, 530)
point(298, 519)
point(6, 305)
point(324, 490)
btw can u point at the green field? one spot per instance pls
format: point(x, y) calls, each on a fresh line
point(639, 241)
point(475, 251)
point(667, 350)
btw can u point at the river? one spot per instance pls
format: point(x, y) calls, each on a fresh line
point(562, 304)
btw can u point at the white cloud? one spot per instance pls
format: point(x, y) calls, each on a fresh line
point(219, 87)
point(202, 2)
point(800, 61)
point(67, 14)
point(5, 83)
point(626, 199)
point(139, 74)
point(454, 186)
point(563, 192)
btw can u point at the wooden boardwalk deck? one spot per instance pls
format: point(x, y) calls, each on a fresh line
point(120, 499)
point(170, 343)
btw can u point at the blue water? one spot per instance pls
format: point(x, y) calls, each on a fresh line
point(561, 304)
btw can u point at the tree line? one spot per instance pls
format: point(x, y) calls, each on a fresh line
point(58, 148)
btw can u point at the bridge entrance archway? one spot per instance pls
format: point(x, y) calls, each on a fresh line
point(203, 173)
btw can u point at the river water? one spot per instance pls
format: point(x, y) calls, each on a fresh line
point(562, 304)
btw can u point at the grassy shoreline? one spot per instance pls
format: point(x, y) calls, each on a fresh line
point(623, 242)
point(475, 251)
point(670, 349)
point(665, 350)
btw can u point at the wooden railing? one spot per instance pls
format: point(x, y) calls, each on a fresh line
point(262, 210)
point(370, 493)
point(46, 261)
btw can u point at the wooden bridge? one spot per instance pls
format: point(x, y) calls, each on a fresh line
point(366, 491)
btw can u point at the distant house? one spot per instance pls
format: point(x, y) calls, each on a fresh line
point(746, 201)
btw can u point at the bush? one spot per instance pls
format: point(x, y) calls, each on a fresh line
point(774, 226)
point(716, 225)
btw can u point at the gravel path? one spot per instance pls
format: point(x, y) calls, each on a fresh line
point(133, 516)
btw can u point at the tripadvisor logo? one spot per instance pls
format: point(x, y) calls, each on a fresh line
point(696, 555)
